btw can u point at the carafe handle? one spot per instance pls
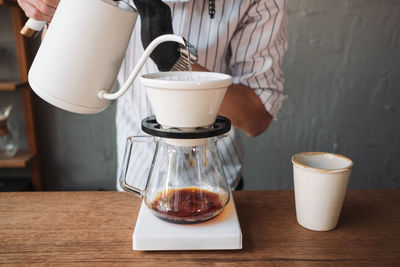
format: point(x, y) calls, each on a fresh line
point(125, 164)
point(161, 39)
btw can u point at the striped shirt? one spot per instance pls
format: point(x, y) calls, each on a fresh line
point(246, 39)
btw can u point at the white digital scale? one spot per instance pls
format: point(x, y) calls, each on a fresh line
point(221, 232)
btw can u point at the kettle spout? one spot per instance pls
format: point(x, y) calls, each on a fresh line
point(103, 94)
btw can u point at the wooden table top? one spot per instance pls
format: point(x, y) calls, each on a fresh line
point(95, 228)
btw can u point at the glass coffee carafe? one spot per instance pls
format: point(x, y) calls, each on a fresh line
point(186, 182)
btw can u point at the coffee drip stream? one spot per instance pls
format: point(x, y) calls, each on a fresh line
point(191, 162)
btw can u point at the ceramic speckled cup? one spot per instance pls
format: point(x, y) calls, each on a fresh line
point(320, 183)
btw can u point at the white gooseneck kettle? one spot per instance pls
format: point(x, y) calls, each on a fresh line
point(79, 59)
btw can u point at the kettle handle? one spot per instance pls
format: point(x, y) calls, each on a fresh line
point(125, 164)
point(161, 39)
point(32, 27)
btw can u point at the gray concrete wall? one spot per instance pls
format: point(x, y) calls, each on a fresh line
point(343, 74)
point(343, 79)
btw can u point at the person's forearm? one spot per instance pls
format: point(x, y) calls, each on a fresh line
point(243, 107)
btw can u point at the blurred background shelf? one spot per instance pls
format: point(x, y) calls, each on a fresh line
point(11, 85)
point(29, 157)
point(20, 160)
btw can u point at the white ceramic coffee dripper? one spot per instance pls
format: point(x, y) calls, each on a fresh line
point(184, 99)
point(79, 59)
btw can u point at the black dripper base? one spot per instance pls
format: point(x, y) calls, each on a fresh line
point(221, 126)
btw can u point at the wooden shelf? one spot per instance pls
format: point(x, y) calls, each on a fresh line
point(22, 50)
point(11, 85)
point(20, 160)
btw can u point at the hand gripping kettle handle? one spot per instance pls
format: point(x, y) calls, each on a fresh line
point(125, 164)
point(161, 39)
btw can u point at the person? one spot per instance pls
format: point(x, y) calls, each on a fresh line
point(243, 38)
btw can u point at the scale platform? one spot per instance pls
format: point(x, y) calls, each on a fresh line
point(221, 232)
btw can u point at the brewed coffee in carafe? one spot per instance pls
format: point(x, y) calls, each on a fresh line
point(187, 205)
point(186, 184)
